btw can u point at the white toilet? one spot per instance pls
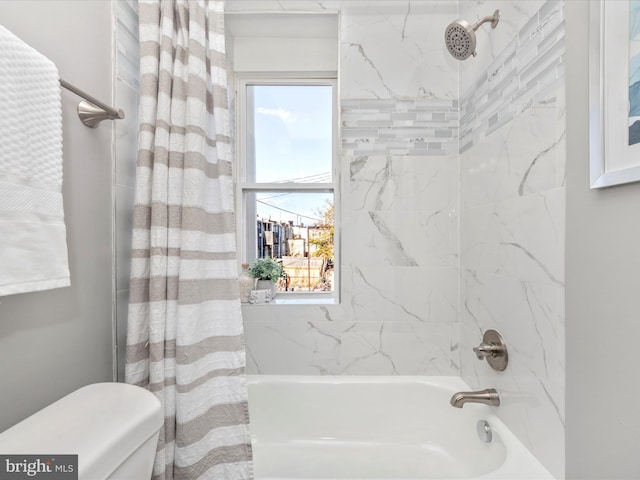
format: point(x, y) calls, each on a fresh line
point(112, 427)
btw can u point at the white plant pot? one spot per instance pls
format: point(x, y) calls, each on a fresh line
point(267, 285)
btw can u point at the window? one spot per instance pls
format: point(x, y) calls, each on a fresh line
point(288, 176)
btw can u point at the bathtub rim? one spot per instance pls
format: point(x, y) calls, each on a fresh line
point(517, 452)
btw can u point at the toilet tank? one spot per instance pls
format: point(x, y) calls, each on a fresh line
point(112, 427)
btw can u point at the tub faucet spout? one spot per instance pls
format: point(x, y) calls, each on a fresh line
point(488, 396)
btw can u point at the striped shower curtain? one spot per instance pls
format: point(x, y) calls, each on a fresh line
point(185, 339)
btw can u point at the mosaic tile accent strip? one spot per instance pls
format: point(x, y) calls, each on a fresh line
point(531, 64)
point(399, 127)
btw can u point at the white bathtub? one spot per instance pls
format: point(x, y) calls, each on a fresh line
point(357, 427)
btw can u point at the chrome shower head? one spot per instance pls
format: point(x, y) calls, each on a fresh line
point(460, 36)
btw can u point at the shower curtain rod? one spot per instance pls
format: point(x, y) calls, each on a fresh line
point(92, 111)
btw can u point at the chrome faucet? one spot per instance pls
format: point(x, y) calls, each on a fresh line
point(488, 397)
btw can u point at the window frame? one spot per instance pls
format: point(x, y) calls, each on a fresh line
point(246, 233)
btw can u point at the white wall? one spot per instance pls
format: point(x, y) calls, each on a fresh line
point(603, 282)
point(55, 341)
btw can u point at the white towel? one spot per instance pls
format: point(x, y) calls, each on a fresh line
point(33, 244)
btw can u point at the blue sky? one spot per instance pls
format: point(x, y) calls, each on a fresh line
point(293, 140)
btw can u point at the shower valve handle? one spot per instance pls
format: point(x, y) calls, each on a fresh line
point(485, 350)
point(493, 350)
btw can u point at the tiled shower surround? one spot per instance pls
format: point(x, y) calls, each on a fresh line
point(452, 209)
point(399, 207)
point(512, 220)
point(127, 86)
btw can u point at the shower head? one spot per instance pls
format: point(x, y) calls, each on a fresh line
point(460, 36)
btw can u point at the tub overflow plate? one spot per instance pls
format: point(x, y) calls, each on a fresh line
point(484, 431)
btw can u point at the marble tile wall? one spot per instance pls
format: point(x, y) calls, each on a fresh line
point(127, 85)
point(393, 50)
point(512, 223)
point(399, 207)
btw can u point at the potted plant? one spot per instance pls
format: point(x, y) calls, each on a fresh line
point(267, 271)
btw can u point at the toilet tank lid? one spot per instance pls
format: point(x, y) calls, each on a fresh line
point(103, 423)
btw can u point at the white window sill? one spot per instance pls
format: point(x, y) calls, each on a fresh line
point(298, 299)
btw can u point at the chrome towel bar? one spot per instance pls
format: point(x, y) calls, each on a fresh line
point(92, 111)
